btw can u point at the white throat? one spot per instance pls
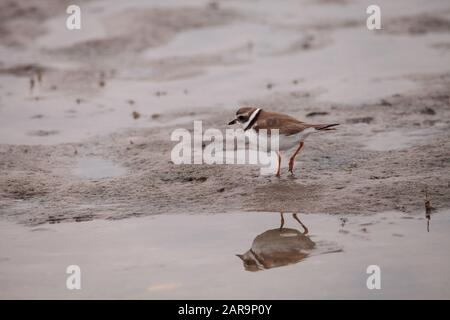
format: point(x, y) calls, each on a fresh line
point(245, 125)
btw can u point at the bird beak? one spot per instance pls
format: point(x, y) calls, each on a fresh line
point(232, 122)
point(241, 256)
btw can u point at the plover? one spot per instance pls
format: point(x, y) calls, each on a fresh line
point(278, 247)
point(292, 132)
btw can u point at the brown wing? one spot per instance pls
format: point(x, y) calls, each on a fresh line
point(286, 125)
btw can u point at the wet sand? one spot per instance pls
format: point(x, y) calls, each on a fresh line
point(383, 157)
point(91, 140)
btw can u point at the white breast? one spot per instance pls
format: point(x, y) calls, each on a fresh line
point(292, 141)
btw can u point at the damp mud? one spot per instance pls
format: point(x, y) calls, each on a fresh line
point(86, 118)
point(383, 157)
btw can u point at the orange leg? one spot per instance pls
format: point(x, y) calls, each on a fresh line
point(278, 165)
point(282, 221)
point(304, 227)
point(291, 160)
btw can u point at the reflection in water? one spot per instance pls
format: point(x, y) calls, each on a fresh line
point(428, 213)
point(428, 210)
point(278, 247)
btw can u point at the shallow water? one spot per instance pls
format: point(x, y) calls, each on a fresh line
point(159, 257)
point(97, 168)
point(380, 66)
point(398, 139)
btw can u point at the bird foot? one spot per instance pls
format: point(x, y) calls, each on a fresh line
point(291, 166)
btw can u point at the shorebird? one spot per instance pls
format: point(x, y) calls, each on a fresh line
point(292, 132)
point(278, 247)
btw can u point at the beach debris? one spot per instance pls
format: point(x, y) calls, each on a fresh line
point(250, 46)
point(428, 110)
point(130, 102)
point(317, 113)
point(32, 84)
point(269, 86)
point(428, 209)
point(102, 81)
point(307, 42)
point(385, 103)
point(42, 133)
point(135, 115)
point(39, 74)
point(83, 218)
point(194, 179)
point(213, 5)
point(155, 116)
point(366, 120)
point(23, 69)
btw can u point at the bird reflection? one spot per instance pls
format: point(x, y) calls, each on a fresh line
point(278, 247)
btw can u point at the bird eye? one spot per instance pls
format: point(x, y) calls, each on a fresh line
point(241, 117)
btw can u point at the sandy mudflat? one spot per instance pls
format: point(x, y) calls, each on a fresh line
point(91, 141)
point(71, 149)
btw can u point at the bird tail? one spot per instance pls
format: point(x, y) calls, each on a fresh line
point(326, 127)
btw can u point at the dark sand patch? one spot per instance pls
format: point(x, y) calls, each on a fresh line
point(21, 20)
point(418, 24)
point(42, 133)
point(24, 69)
point(443, 46)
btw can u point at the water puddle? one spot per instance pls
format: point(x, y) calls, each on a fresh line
point(237, 255)
point(386, 141)
point(241, 40)
point(396, 140)
point(238, 62)
point(283, 246)
point(97, 168)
